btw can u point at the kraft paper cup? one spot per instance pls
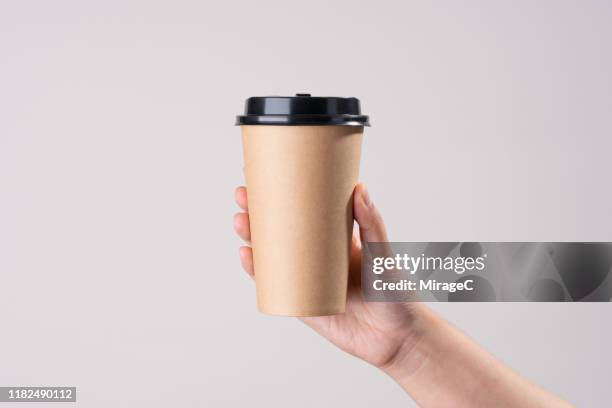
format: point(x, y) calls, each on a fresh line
point(300, 182)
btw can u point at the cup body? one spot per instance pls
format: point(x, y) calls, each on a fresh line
point(300, 182)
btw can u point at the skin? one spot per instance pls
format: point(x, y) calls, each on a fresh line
point(436, 364)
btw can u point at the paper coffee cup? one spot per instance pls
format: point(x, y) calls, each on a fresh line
point(301, 157)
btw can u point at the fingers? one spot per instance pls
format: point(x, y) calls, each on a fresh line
point(371, 225)
point(246, 259)
point(241, 220)
point(242, 226)
point(243, 229)
point(241, 198)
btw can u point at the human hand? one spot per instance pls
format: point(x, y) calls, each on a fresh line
point(377, 332)
point(434, 362)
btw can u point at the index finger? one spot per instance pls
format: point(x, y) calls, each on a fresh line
point(241, 198)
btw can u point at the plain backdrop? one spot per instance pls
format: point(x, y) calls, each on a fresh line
point(118, 161)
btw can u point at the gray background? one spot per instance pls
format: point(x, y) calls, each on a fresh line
point(118, 162)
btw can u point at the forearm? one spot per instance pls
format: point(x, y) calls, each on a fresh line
point(444, 368)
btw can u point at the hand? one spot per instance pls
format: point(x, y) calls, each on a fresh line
point(434, 362)
point(375, 332)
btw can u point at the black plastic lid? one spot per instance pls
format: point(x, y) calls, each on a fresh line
point(302, 109)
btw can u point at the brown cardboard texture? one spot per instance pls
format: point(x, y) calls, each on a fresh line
point(300, 182)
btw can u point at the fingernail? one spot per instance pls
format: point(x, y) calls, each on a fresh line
point(366, 196)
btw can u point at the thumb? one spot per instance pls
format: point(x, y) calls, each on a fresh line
point(371, 225)
point(372, 229)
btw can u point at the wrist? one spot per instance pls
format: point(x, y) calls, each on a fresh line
point(413, 352)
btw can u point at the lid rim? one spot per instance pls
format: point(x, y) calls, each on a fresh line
point(303, 119)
